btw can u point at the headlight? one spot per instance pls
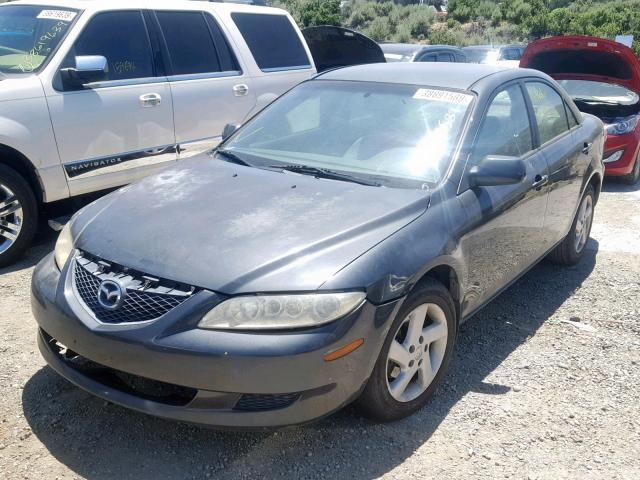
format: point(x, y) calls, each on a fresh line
point(613, 157)
point(623, 125)
point(269, 312)
point(64, 246)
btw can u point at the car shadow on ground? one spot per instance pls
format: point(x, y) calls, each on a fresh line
point(614, 185)
point(43, 243)
point(98, 440)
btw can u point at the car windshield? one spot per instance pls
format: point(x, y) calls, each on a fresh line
point(588, 90)
point(399, 135)
point(30, 34)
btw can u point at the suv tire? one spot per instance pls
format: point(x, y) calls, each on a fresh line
point(18, 215)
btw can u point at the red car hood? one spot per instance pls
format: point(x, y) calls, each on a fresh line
point(584, 58)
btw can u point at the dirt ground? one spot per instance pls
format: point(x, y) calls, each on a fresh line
point(528, 396)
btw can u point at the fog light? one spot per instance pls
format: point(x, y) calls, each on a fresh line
point(613, 157)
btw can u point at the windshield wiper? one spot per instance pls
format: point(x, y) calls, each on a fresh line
point(233, 158)
point(325, 173)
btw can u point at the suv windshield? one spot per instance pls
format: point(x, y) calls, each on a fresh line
point(402, 135)
point(588, 90)
point(30, 34)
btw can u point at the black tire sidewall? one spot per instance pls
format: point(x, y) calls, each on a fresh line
point(23, 192)
point(376, 400)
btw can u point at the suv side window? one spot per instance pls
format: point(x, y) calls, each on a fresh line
point(120, 37)
point(191, 45)
point(505, 129)
point(549, 111)
point(273, 42)
point(430, 57)
point(444, 57)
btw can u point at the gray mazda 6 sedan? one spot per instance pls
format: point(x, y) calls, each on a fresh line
point(326, 252)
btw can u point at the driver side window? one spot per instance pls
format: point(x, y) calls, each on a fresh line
point(506, 129)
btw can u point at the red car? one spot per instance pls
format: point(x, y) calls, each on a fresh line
point(603, 77)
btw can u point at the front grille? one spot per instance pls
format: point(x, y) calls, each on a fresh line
point(252, 402)
point(147, 298)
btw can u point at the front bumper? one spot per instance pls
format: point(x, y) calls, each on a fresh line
point(226, 379)
point(630, 143)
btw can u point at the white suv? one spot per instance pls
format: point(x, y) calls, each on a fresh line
point(96, 94)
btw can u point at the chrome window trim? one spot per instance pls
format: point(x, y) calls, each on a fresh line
point(286, 69)
point(203, 76)
point(128, 82)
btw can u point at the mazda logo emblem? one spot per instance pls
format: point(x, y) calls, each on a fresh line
point(111, 294)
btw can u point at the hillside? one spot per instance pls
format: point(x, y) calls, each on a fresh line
point(470, 21)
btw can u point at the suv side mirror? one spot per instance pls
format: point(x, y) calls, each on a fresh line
point(229, 129)
point(497, 170)
point(89, 69)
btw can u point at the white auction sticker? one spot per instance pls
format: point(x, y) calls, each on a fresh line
point(442, 96)
point(64, 15)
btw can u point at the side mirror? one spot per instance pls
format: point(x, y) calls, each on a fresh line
point(88, 69)
point(229, 129)
point(497, 170)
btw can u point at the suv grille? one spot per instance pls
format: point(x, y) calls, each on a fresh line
point(147, 298)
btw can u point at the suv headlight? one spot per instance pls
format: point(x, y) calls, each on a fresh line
point(270, 312)
point(623, 125)
point(64, 246)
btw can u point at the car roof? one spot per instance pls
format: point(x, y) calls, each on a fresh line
point(100, 5)
point(460, 76)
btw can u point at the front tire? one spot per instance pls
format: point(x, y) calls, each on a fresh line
point(414, 357)
point(572, 248)
point(18, 215)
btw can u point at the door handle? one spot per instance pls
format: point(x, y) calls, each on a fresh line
point(586, 147)
point(240, 90)
point(150, 100)
point(540, 181)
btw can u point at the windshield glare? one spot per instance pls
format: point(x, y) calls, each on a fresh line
point(599, 91)
point(30, 34)
point(386, 131)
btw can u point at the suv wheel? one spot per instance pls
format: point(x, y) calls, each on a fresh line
point(414, 356)
point(18, 215)
point(572, 248)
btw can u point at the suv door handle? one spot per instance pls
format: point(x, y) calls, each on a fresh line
point(150, 100)
point(240, 90)
point(540, 181)
point(586, 147)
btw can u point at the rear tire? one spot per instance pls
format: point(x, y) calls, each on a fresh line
point(633, 177)
point(572, 248)
point(415, 355)
point(18, 215)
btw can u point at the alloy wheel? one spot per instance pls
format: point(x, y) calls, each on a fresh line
point(416, 352)
point(11, 218)
point(583, 223)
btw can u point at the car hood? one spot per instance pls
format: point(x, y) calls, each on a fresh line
point(584, 58)
point(235, 229)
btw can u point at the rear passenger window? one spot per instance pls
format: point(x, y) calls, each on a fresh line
point(120, 37)
point(189, 42)
point(273, 41)
point(506, 129)
point(549, 110)
point(428, 58)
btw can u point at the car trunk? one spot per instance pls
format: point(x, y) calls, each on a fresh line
point(589, 59)
point(333, 47)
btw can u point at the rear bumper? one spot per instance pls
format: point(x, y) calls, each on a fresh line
point(630, 144)
point(225, 379)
